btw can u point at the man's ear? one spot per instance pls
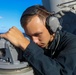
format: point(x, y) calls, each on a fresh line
point(52, 23)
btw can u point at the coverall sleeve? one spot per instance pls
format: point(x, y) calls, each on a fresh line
point(45, 65)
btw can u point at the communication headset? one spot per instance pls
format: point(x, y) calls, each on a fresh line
point(54, 25)
point(51, 21)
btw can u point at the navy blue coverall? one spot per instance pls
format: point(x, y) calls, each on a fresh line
point(58, 59)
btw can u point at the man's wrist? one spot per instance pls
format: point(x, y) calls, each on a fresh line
point(24, 44)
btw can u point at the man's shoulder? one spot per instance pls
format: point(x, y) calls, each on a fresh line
point(68, 34)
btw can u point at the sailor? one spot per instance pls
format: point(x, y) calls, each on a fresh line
point(50, 50)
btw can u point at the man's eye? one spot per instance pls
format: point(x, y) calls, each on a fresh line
point(37, 34)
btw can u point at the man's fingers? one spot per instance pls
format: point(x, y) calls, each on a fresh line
point(3, 36)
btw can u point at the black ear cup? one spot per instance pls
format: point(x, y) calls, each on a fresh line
point(53, 23)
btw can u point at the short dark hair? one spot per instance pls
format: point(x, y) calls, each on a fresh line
point(31, 11)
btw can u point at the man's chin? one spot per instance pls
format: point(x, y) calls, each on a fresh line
point(42, 46)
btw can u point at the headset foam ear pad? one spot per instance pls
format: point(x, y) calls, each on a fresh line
point(53, 23)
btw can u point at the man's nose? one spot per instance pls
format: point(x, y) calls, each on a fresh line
point(35, 39)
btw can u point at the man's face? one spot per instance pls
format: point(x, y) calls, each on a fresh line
point(37, 31)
